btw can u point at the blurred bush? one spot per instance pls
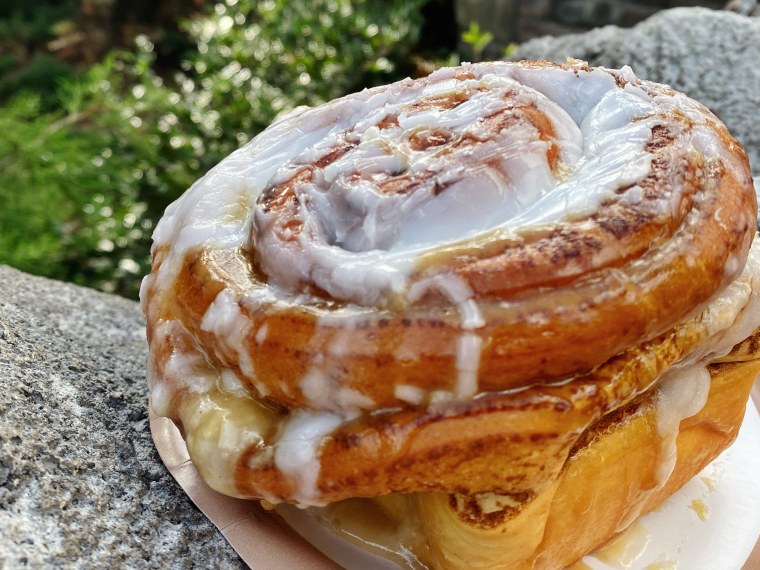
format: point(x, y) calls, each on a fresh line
point(25, 28)
point(87, 183)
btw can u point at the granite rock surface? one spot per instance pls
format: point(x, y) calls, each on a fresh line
point(712, 56)
point(81, 485)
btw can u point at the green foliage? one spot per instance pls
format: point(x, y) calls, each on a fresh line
point(42, 74)
point(477, 39)
point(57, 219)
point(29, 237)
point(25, 29)
point(131, 141)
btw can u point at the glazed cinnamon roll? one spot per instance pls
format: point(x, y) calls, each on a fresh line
point(450, 289)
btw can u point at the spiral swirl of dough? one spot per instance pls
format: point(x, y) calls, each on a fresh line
point(438, 243)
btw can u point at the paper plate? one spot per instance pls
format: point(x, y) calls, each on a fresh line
point(711, 523)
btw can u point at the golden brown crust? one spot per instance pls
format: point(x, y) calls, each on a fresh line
point(568, 322)
point(607, 481)
point(578, 293)
point(507, 443)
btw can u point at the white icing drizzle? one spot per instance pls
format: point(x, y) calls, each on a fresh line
point(180, 365)
point(468, 363)
point(358, 244)
point(410, 394)
point(469, 344)
point(160, 397)
point(186, 371)
point(324, 393)
point(297, 451)
point(226, 321)
point(321, 386)
point(681, 393)
point(457, 291)
point(261, 334)
point(230, 382)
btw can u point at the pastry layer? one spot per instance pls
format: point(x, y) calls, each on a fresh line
point(486, 228)
point(610, 478)
point(612, 475)
point(440, 284)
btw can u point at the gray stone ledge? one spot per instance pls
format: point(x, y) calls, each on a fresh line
point(81, 485)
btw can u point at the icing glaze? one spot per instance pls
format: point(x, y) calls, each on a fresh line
point(294, 448)
point(297, 452)
point(682, 392)
point(341, 209)
point(362, 242)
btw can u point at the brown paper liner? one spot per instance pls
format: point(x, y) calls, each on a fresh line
point(261, 539)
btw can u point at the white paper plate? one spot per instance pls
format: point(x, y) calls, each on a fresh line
point(726, 494)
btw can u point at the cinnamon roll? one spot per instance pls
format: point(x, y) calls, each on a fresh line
point(455, 295)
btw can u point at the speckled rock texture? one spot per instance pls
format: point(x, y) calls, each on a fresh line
point(81, 485)
point(711, 56)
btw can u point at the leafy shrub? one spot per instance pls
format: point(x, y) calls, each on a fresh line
point(25, 29)
point(57, 219)
point(131, 141)
point(30, 183)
